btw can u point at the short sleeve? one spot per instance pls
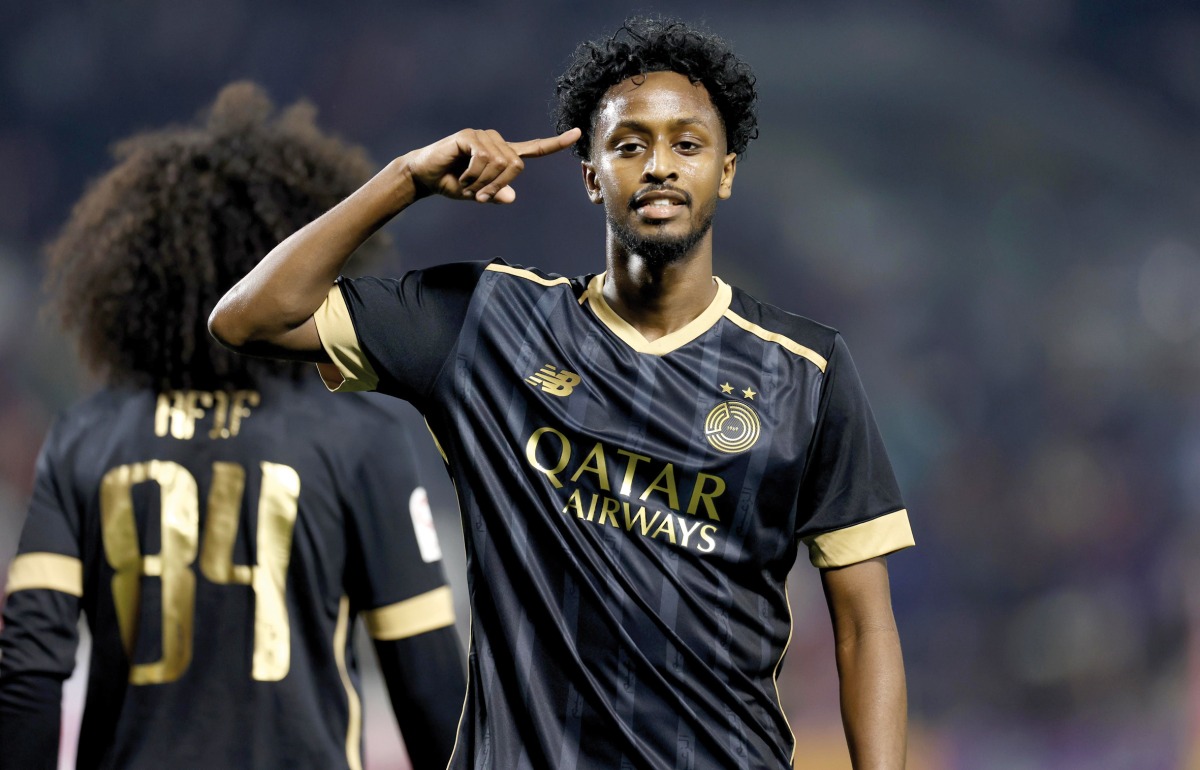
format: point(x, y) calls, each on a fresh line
point(395, 334)
point(395, 573)
point(849, 507)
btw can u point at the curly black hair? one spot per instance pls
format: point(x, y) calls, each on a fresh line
point(643, 45)
point(186, 212)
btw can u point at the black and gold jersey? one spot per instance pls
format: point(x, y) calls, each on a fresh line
point(631, 508)
point(220, 545)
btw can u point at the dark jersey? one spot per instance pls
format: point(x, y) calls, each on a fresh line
point(220, 545)
point(631, 508)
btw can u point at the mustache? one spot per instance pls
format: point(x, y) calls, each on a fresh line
point(658, 188)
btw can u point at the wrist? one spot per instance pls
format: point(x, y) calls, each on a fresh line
point(404, 182)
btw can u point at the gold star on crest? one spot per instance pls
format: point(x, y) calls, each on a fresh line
point(748, 393)
point(727, 388)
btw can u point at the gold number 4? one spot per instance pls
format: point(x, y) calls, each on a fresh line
point(179, 505)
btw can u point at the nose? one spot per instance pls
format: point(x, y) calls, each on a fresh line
point(660, 165)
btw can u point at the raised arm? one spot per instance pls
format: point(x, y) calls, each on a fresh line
point(269, 312)
point(870, 666)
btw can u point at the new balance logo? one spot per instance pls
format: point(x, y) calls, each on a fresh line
point(554, 382)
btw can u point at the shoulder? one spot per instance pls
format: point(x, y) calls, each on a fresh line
point(452, 277)
point(800, 336)
point(99, 414)
point(308, 398)
point(502, 270)
point(352, 425)
point(533, 282)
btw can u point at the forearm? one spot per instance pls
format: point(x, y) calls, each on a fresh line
point(262, 312)
point(873, 697)
point(269, 311)
point(30, 718)
point(427, 685)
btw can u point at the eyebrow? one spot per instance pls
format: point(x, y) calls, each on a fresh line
point(637, 125)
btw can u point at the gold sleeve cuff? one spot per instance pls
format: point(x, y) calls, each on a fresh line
point(51, 571)
point(336, 330)
point(860, 542)
point(426, 612)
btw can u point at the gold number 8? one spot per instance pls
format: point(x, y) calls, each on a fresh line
point(180, 525)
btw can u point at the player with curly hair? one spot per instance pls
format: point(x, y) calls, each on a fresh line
point(219, 522)
point(639, 453)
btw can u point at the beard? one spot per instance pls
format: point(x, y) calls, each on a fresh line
point(660, 249)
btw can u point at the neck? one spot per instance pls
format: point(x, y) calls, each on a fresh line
point(659, 299)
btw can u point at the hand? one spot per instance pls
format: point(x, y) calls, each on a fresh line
point(478, 165)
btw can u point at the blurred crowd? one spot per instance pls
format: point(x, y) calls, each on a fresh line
point(997, 202)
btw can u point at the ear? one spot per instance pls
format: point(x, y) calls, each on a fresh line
point(589, 182)
point(728, 170)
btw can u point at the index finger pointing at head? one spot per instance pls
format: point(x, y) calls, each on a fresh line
point(537, 148)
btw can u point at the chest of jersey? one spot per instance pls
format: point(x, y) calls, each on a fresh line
point(699, 448)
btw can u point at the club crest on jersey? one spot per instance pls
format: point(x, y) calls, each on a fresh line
point(555, 382)
point(733, 426)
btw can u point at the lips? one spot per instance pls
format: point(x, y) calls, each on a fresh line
point(660, 205)
point(666, 197)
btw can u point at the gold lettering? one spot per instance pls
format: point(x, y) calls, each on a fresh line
point(179, 515)
point(276, 521)
point(220, 415)
point(609, 511)
point(231, 409)
point(563, 458)
point(277, 509)
point(706, 533)
point(189, 407)
point(667, 476)
point(700, 496)
point(162, 414)
point(639, 518)
point(243, 401)
point(221, 526)
point(634, 459)
point(668, 526)
point(687, 531)
point(600, 468)
point(573, 502)
point(180, 524)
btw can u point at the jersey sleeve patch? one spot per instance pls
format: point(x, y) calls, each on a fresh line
point(423, 526)
point(51, 571)
point(850, 545)
point(336, 330)
point(426, 612)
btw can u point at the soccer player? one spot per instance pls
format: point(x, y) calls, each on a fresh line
point(638, 453)
point(219, 519)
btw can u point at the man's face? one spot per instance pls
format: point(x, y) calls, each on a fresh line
point(658, 164)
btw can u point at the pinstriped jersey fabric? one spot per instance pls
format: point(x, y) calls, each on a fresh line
point(631, 508)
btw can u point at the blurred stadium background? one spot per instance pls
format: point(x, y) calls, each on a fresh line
point(997, 201)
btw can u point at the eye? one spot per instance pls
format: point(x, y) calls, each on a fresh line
point(687, 146)
point(627, 146)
